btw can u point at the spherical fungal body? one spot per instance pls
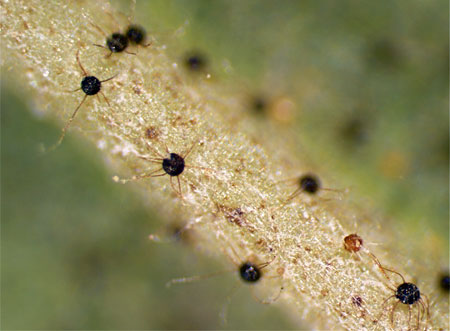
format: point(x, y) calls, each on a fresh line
point(249, 272)
point(174, 165)
point(117, 42)
point(407, 293)
point(195, 62)
point(309, 183)
point(445, 283)
point(135, 34)
point(91, 85)
point(259, 105)
point(353, 243)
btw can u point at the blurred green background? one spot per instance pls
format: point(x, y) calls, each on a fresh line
point(370, 85)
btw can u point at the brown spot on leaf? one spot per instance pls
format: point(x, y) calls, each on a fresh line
point(235, 216)
point(280, 271)
point(151, 132)
point(357, 300)
point(137, 90)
